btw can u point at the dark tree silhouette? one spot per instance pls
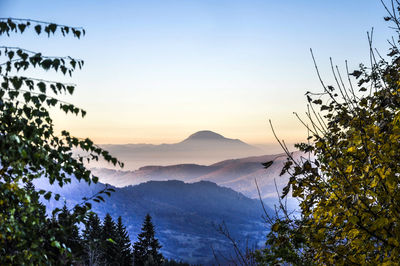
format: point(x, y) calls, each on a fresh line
point(124, 251)
point(69, 235)
point(146, 249)
point(109, 249)
point(92, 239)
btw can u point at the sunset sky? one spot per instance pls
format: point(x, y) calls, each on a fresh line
point(157, 71)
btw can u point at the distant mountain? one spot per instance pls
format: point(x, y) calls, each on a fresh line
point(237, 174)
point(207, 135)
point(185, 215)
point(203, 147)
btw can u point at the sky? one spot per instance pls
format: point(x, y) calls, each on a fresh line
point(158, 71)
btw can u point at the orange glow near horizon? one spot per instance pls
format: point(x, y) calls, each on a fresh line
point(157, 73)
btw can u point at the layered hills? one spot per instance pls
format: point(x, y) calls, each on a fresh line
point(238, 174)
point(203, 147)
point(189, 188)
point(186, 216)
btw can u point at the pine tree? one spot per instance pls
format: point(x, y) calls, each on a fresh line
point(109, 249)
point(31, 191)
point(43, 229)
point(146, 249)
point(70, 234)
point(92, 239)
point(34, 197)
point(124, 256)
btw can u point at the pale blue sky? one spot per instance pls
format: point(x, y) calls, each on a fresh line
point(157, 71)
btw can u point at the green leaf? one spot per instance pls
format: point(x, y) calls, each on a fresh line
point(319, 101)
point(56, 244)
point(42, 87)
point(53, 27)
point(73, 63)
point(111, 241)
point(47, 196)
point(38, 29)
point(70, 89)
point(42, 97)
point(21, 27)
point(46, 64)
point(57, 196)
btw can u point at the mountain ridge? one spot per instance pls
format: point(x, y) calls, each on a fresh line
point(237, 174)
point(185, 215)
point(204, 134)
point(202, 147)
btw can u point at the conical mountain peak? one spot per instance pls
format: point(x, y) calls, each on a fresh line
point(205, 135)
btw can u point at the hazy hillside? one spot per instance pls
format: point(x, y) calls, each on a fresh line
point(185, 215)
point(203, 147)
point(237, 174)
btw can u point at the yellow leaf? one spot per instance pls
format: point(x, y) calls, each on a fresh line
point(349, 169)
point(381, 222)
point(353, 219)
point(393, 241)
point(381, 172)
point(391, 185)
point(351, 149)
point(375, 182)
point(353, 233)
point(275, 227)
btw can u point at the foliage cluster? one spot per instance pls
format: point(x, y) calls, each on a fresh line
point(348, 179)
point(30, 147)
